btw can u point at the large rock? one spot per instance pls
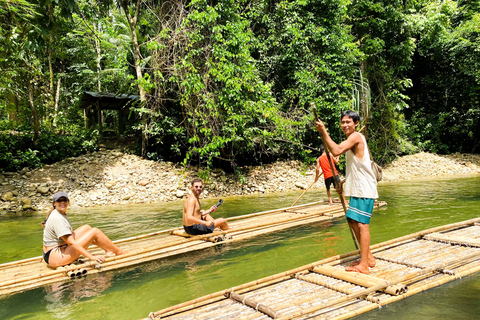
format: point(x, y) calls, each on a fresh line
point(180, 194)
point(8, 196)
point(300, 185)
point(25, 201)
point(143, 182)
point(43, 190)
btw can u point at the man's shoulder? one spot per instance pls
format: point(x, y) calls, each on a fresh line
point(191, 199)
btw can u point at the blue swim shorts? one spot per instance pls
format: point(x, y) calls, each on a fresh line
point(360, 209)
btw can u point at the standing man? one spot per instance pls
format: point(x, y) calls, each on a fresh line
point(360, 185)
point(322, 163)
point(196, 221)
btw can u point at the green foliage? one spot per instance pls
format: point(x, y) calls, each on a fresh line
point(229, 83)
point(17, 150)
point(444, 114)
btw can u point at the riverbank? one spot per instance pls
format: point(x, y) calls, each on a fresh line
point(112, 177)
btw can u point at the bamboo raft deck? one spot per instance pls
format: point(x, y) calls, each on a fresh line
point(324, 290)
point(31, 273)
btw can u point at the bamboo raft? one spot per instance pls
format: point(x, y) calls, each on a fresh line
point(324, 290)
point(31, 273)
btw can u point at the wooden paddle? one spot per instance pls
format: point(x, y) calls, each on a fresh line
point(336, 179)
point(305, 191)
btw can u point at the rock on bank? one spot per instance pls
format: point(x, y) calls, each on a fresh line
point(111, 177)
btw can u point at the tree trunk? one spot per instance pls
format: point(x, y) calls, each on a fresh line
point(57, 100)
point(34, 111)
point(98, 50)
point(12, 107)
point(132, 22)
point(364, 92)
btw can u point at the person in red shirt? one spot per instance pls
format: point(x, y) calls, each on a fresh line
point(322, 162)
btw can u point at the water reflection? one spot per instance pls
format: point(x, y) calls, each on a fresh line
point(412, 206)
point(60, 297)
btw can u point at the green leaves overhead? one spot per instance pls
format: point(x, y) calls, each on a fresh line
point(227, 83)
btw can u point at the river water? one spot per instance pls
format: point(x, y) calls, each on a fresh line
point(133, 293)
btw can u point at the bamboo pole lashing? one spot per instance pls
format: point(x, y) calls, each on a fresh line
point(452, 240)
point(411, 292)
point(253, 304)
point(402, 238)
point(381, 246)
point(176, 242)
point(360, 279)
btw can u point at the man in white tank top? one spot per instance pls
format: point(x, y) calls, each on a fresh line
point(360, 184)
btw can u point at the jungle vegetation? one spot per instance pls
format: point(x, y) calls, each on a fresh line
point(227, 83)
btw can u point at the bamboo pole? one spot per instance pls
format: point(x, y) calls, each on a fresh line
point(253, 304)
point(214, 297)
point(452, 240)
point(330, 303)
point(383, 302)
point(363, 280)
point(91, 265)
point(383, 246)
point(305, 191)
point(336, 180)
point(343, 289)
point(273, 211)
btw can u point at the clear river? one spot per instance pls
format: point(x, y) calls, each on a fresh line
point(133, 293)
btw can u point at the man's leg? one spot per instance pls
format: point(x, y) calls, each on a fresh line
point(221, 223)
point(330, 200)
point(362, 232)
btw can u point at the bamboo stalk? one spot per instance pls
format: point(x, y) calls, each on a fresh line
point(218, 296)
point(408, 294)
point(360, 279)
point(253, 304)
point(138, 252)
point(393, 242)
point(453, 240)
point(273, 211)
point(304, 192)
point(257, 282)
point(330, 303)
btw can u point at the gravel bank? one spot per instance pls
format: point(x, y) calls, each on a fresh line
point(111, 177)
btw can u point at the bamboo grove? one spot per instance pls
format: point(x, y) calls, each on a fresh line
point(228, 83)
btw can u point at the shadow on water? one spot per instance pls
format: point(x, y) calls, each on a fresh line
point(133, 293)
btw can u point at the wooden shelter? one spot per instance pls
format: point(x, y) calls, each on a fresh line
point(31, 273)
point(324, 290)
point(94, 103)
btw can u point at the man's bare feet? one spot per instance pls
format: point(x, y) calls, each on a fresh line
point(370, 263)
point(357, 269)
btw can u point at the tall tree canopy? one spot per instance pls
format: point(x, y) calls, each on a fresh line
point(229, 82)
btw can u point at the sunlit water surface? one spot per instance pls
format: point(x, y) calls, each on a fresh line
point(133, 293)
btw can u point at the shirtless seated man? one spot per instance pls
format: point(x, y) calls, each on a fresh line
point(196, 221)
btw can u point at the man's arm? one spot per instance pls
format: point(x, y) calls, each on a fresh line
point(336, 149)
point(317, 170)
point(335, 159)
